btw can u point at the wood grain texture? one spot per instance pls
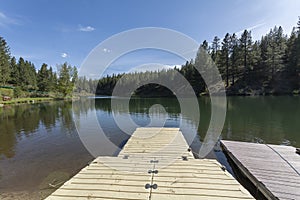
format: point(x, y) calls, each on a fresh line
point(125, 176)
point(273, 168)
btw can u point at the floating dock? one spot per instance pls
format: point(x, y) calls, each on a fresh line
point(273, 169)
point(154, 164)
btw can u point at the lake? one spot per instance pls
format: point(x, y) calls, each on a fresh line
point(39, 144)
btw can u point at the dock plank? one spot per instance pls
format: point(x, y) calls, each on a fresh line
point(173, 170)
point(157, 142)
point(273, 168)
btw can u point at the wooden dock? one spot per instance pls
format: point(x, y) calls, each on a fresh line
point(273, 169)
point(154, 164)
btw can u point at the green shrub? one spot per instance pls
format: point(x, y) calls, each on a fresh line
point(18, 92)
point(6, 92)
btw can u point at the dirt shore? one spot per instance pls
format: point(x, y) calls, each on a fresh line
point(24, 195)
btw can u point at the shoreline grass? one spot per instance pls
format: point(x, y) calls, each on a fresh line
point(27, 100)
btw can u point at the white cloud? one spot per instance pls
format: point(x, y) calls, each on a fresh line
point(64, 55)
point(5, 20)
point(86, 28)
point(258, 25)
point(25, 56)
point(153, 67)
point(2, 16)
point(106, 50)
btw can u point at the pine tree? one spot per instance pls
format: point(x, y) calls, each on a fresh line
point(43, 78)
point(275, 50)
point(234, 56)
point(14, 74)
point(67, 78)
point(52, 80)
point(245, 45)
point(256, 58)
point(297, 48)
point(31, 76)
point(225, 56)
point(215, 47)
point(27, 76)
point(74, 75)
point(292, 56)
point(5, 69)
point(264, 46)
point(23, 74)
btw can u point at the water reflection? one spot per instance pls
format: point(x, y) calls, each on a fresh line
point(263, 119)
point(20, 122)
point(38, 143)
point(256, 119)
point(143, 112)
point(39, 140)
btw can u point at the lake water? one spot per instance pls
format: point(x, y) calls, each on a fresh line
point(39, 143)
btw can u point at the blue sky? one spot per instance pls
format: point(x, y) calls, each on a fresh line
point(54, 32)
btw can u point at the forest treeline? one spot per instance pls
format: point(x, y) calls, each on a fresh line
point(25, 80)
point(269, 66)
